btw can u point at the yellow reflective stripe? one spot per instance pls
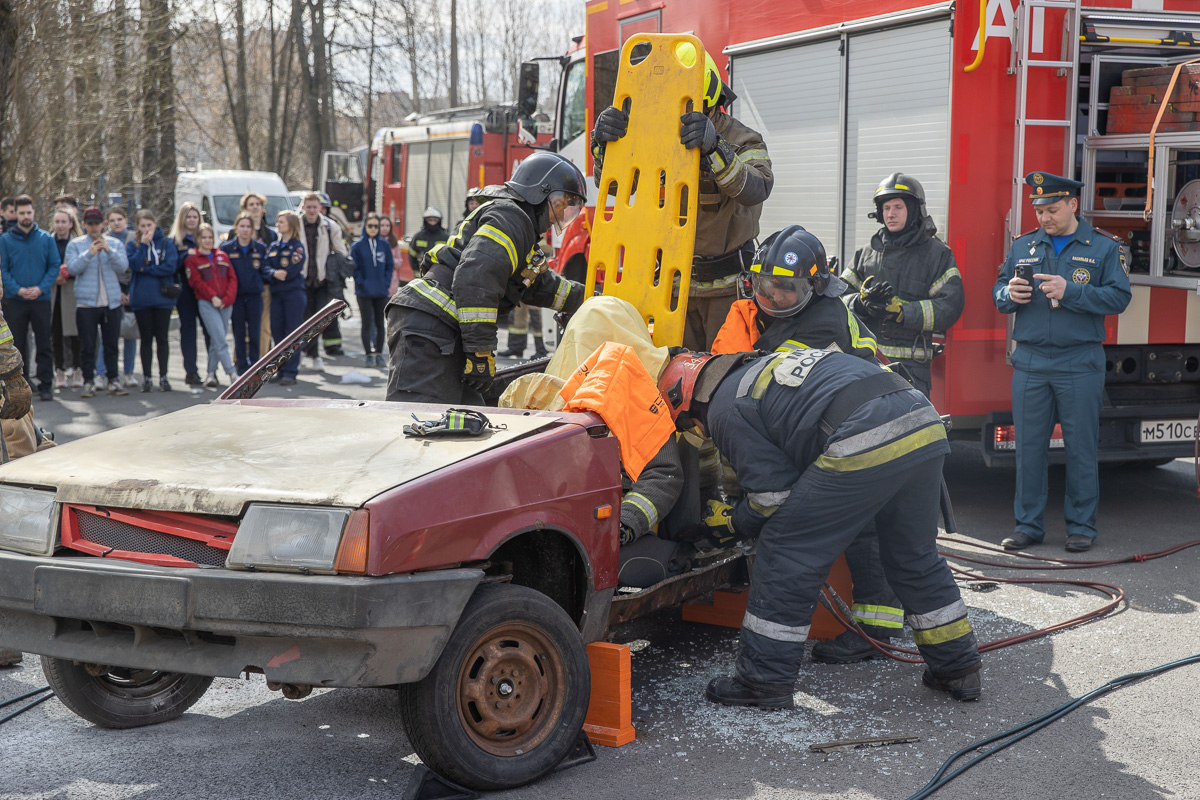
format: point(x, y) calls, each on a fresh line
point(477, 314)
point(917, 353)
point(879, 616)
point(501, 238)
point(927, 315)
point(728, 280)
point(642, 504)
point(731, 171)
point(851, 278)
point(792, 344)
point(941, 282)
point(434, 295)
point(764, 377)
point(5, 334)
point(881, 455)
point(432, 254)
point(856, 337)
point(561, 294)
point(763, 510)
point(943, 633)
point(749, 155)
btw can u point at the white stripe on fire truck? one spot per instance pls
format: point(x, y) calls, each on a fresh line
point(1191, 332)
point(1133, 326)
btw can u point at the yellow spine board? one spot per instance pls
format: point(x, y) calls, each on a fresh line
point(652, 229)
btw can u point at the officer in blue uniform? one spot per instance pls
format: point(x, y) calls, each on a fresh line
point(250, 263)
point(285, 264)
point(1060, 281)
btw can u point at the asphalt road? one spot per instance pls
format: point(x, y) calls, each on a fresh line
point(243, 741)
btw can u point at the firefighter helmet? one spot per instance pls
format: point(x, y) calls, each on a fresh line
point(677, 384)
point(542, 174)
point(900, 185)
point(434, 212)
point(716, 91)
point(787, 270)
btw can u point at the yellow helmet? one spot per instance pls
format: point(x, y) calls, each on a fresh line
point(686, 53)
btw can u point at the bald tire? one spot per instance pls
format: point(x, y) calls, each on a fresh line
point(120, 697)
point(503, 627)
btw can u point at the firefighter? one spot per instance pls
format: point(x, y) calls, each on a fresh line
point(431, 234)
point(1059, 281)
point(792, 290)
point(442, 326)
point(823, 443)
point(16, 399)
point(735, 180)
point(472, 202)
point(906, 282)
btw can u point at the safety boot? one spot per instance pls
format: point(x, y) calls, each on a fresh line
point(846, 649)
point(732, 691)
point(539, 347)
point(965, 687)
point(10, 658)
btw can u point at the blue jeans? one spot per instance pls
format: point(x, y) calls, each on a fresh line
point(216, 324)
point(129, 355)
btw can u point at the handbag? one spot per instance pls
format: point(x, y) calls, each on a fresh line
point(170, 288)
point(129, 326)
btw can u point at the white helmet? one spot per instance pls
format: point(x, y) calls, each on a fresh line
point(432, 211)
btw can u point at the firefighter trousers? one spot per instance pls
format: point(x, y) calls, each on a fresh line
point(425, 360)
point(876, 607)
point(820, 518)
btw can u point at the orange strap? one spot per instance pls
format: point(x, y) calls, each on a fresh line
point(1162, 107)
point(614, 384)
point(738, 332)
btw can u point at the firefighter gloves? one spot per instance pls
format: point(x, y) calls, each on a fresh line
point(612, 124)
point(697, 131)
point(455, 421)
point(479, 371)
point(877, 299)
point(15, 398)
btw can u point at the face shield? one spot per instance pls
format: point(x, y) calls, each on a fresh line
point(563, 207)
point(781, 296)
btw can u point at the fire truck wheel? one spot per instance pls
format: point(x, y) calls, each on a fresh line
point(507, 698)
point(116, 697)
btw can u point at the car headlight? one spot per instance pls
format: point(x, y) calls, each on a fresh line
point(28, 520)
point(291, 538)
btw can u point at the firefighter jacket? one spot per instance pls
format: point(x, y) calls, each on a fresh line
point(422, 242)
point(927, 282)
point(647, 501)
point(823, 324)
point(485, 270)
point(15, 394)
point(735, 180)
point(767, 416)
point(1097, 284)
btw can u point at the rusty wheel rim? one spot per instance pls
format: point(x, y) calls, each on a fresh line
point(511, 689)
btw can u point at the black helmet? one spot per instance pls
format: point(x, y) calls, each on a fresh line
point(900, 185)
point(542, 174)
point(787, 270)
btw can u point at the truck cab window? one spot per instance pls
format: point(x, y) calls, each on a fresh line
point(575, 102)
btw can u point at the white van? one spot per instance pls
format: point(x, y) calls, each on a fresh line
point(219, 191)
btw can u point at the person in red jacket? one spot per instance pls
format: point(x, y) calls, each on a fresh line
point(214, 281)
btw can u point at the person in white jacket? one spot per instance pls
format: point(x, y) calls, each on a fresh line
point(99, 265)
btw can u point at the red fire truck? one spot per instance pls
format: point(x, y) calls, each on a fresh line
point(846, 93)
point(437, 158)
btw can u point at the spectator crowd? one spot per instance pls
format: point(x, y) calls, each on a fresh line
point(94, 290)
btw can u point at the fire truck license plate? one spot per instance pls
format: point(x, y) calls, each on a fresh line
point(1168, 430)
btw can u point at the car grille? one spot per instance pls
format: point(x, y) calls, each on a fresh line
point(133, 538)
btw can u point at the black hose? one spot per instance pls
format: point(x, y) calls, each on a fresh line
point(1021, 731)
point(48, 694)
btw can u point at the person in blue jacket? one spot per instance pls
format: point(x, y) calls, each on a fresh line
point(373, 267)
point(249, 258)
point(1060, 281)
point(285, 265)
point(152, 263)
point(29, 267)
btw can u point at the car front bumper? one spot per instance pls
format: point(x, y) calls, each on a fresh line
point(299, 629)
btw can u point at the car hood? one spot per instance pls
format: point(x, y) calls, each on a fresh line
point(214, 459)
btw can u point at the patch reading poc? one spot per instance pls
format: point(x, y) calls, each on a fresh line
point(797, 365)
point(1081, 275)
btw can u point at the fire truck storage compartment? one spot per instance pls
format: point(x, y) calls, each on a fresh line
point(840, 114)
point(437, 176)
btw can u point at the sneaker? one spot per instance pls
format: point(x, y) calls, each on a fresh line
point(193, 379)
point(45, 393)
point(967, 687)
point(212, 382)
point(115, 390)
point(845, 649)
point(89, 390)
point(60, 379)
point(318, 364)
point(164, 384)
point(147, 386)
point(129, 380)
point(287, 381)
point(77, 379)
point(101, 382)
point(732, 692)
point(370, 359)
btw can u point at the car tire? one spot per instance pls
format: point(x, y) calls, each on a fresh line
point(116, 697)
point(514, 648)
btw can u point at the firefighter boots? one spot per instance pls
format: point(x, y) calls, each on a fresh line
point(846, 649)
point(733, 692)
point(965, 687)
